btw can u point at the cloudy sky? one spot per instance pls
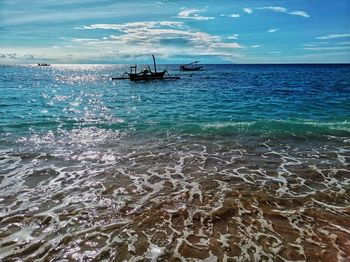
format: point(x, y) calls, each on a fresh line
point(220, 31)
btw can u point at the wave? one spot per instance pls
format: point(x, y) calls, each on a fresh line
point(259, 127)
point(264, 127)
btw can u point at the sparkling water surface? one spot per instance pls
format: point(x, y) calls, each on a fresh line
point(233, 163)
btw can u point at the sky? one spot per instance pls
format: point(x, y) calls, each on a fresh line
point(212, 31)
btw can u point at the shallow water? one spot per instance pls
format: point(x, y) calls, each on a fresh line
point(234, 163)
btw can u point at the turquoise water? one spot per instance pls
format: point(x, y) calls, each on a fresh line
point(84, 159)
point(263, 99)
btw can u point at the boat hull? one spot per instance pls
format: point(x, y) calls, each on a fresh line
point(191, 69)
point(147, 77)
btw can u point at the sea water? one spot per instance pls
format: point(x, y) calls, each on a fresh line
point(232, 163)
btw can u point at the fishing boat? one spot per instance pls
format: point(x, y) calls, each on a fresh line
point(43, 64)
point(146, 74)
point(191, 67)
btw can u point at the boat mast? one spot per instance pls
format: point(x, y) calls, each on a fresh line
point(154, 63)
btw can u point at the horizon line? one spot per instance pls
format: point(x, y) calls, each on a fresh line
point(264, 63)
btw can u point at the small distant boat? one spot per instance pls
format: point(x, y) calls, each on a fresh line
point(146, 74)
point(191, 67)
point(43, 64)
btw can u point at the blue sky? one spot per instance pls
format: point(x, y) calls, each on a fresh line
point(220, 31)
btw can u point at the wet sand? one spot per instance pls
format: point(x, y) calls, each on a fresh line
point(189, 199)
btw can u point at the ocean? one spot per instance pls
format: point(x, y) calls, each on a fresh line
point(232, 163)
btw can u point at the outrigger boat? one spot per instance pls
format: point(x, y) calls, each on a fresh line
point(191, 67)
point(146, 74)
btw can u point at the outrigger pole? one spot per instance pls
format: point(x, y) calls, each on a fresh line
point(154, 63)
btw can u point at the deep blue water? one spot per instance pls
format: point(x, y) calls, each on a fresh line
point(248, 162)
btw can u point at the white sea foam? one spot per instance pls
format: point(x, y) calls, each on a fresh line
point(243, 200)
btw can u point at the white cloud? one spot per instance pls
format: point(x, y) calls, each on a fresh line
point(332, 36)
point(135, 25)
point(193, 14)
point(84, 40)
point(248, 10)
point(226, 45)
point(311, 44)
point(232, 15)
point(326, 48)
point(273, 30)
point(234, 36)
point(9, 55)
point(235, 15)
point(280, 9)
point(163, 38)
point(299, 13)
point(254, 46)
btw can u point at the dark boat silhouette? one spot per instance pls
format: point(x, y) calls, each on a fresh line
point(146, 74)
point(191, 67)
point(43, 64)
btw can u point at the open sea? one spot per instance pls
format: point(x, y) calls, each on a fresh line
point(233, 163)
